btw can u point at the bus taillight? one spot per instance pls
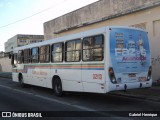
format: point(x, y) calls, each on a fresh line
point(111, 75)
point(149, 73)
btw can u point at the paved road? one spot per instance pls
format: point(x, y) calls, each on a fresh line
point(15, 98)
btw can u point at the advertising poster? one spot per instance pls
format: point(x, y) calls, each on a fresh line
point(129, 49)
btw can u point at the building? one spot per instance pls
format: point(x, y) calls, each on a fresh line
point(20, 40)
point(3, 54)
point(137, 13)
point(5, 62)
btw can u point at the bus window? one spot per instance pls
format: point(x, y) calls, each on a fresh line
point(15, 58)
point(34, 53)
point(93, 48)
point(20, 56)
point(44, 55)
point(57, 52)
point(73, 50)
point(26, 55)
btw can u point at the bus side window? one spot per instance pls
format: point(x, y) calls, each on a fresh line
point(57, 52)
point(15, 58)
point(34, 55)
point(11, 56)
point(73, 50)
point(20, 57)
point(93, 48)
point(26, 55)
point(44, 55)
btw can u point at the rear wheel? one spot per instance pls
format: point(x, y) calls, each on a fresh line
point(57, 87)
point(21, 81)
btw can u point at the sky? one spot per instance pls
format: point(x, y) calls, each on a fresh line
point(28, 16)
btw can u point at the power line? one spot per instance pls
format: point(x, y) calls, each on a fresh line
point(30, 16)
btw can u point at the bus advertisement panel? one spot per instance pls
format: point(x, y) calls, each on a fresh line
point(130, 54)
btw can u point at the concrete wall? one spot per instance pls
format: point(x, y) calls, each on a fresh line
point(5, 65)
point(100, 10)
point(20, 40)
point(138, 13)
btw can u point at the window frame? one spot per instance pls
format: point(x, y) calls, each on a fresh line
point(28, 56)
point(92, 48)
point(63, 47)
point(15, 58)
point(20, 58)
point(45, 54)
point(73, 50)
point(34, 55)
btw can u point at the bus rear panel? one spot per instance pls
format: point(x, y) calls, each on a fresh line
point(130, 59)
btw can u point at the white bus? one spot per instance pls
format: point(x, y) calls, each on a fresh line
point(100, 60)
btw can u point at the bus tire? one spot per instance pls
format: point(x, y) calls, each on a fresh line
point(21, 81)
point(57, 87)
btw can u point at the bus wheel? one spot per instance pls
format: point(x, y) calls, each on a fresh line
point(21, 81)
point(57, 87)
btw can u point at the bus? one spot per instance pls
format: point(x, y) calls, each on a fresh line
point(101, 60)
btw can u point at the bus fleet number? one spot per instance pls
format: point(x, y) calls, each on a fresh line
point(97, 76)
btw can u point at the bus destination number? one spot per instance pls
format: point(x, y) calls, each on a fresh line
point(97, 76)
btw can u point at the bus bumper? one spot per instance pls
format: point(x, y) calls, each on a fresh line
point(125, 86)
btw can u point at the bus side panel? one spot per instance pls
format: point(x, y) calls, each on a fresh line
point(39, 75)
point(26, 75)
point(29, 79)
point(71, 80)
point(107, 59)
point(93, 77)
point(15, 77)
point(70, 75)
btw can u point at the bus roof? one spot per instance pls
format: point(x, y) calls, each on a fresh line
point(73, 36)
